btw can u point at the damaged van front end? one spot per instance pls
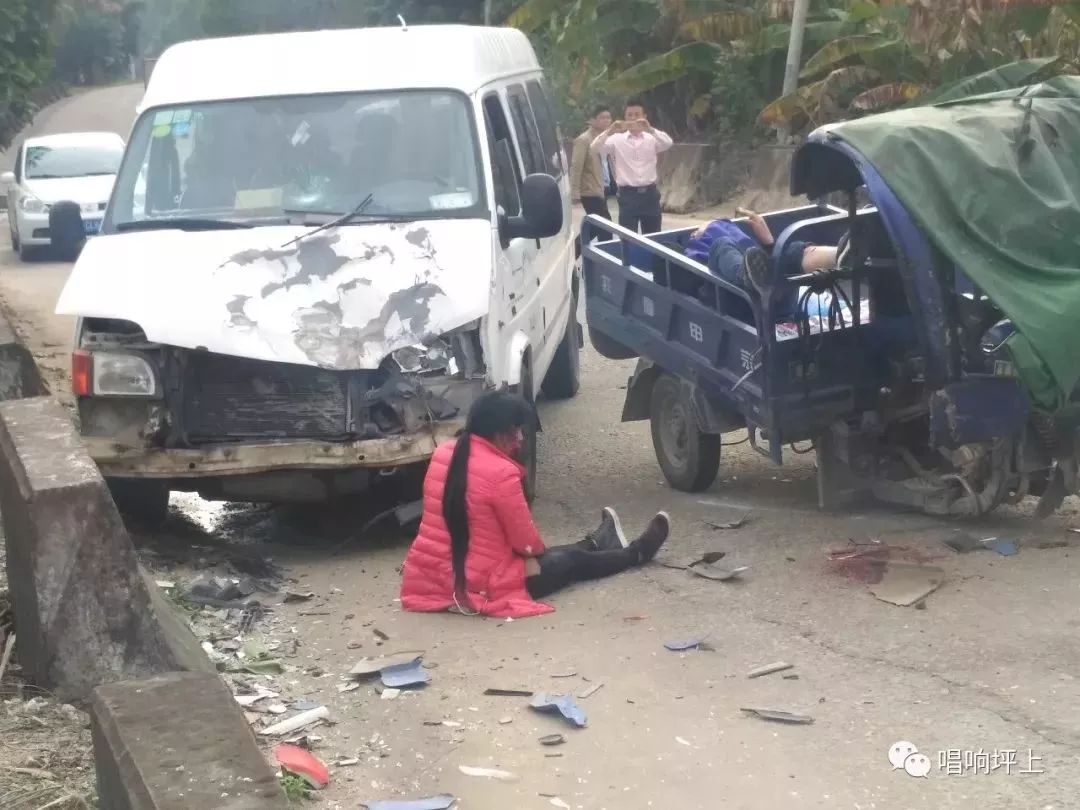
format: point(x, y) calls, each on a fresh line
point(277, 364)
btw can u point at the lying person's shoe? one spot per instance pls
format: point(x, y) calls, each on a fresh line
point(758, 269)
point(652, 538)
point(609, 535)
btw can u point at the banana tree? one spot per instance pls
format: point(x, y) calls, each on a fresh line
point(910, 47)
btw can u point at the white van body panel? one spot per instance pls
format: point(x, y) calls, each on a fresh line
point(341, 299)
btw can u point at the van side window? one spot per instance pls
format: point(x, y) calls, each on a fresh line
point(532, 153)
point(503, 164)
point(545, 122)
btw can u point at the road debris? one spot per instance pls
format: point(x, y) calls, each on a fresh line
point(1006, 548)
point(738, 523)
point(351, 686)
point(379, 634)
point(347, 763)
point(294, 596)
point(790, 677)
point(440, 802)
point(405, 675)
point(569, 674)
point(636, 618)
point(296, 722)
point(302, 763)
point(375, 664)
point(1048, 544)
point(716, 572)
point(508, 692)
point(769, 669)
point(552, 739)
point(904, 584)
point(505, 721)
point(778, 716)
point(592, 690)
point(555, 801)
point(681, 741)
point(487, 773)
point(689, 644)
point(563, 704)
point(963, 543)
point(390, 693)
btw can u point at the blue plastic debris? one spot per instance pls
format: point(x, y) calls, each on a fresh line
point(563, 704)
point(402, 675)
point(1005, 548)
point(681, 646)
point(440, 802)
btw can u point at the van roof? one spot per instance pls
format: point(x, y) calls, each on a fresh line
point(459, 57)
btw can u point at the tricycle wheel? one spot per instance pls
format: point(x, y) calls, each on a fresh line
point(689, 458)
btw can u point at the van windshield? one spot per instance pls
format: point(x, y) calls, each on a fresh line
point(414, 152)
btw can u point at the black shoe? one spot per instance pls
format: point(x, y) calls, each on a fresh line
point(652, 538)
point(609, 535)
point(758, 269)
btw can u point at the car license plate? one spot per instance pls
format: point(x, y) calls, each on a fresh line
point(91, 226)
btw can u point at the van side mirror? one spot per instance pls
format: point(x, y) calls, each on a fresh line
point(541, 210)
point(7, 179)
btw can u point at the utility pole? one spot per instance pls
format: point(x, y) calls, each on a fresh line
point(795, 43)
point(794, 54)
point(487, 12)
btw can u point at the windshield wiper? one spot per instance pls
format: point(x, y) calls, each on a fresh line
point(183, 224)
point(342, 220)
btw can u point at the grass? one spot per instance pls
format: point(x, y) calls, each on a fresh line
point(296, 787)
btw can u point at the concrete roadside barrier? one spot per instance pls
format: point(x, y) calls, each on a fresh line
point(19, 375)
point(85, 611)
point(178, 741)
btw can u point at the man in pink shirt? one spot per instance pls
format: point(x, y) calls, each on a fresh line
point(634, 146)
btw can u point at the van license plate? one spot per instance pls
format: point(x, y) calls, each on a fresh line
point(91, 226)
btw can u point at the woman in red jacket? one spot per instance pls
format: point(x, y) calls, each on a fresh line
point(478, 549)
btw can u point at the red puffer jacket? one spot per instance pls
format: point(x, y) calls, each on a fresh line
point(501, 535)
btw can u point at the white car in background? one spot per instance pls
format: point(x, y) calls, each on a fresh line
point(79, 167)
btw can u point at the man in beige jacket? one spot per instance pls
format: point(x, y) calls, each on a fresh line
point(590, 175)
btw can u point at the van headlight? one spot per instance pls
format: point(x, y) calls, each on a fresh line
point(123, 375)
point(436, 357)
point(32, 205)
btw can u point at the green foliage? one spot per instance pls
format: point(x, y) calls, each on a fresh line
point(24, 60)
point(295, 787)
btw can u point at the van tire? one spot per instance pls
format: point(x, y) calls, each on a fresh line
point(143, 502)
point(689, 459)
point(563, 379)
point(611, 349)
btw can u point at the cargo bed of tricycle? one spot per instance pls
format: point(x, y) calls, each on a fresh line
point(727, 359)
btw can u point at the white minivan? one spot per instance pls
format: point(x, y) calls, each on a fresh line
point(320, 248)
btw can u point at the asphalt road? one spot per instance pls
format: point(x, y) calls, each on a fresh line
point(989, 666)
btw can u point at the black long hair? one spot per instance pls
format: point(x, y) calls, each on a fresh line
point(491, 415)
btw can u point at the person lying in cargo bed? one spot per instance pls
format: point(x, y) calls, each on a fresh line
point(478, 550)
point(747, 261)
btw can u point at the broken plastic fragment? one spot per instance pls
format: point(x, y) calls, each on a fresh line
point(371, 665)
point(717, 572)
point(904, 584)
point(780, 716)
point(769, 669)
point(563, 704)
point(297, 722)
point(487, 773)
point(508, 692)
point(402, 675)
point(302, 763)
point(440, 802)
point(1006, 548)
point(680, 646)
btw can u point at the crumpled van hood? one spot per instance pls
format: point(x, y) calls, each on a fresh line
point(343, 298)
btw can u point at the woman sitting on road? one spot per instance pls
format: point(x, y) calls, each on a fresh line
point(478, 550)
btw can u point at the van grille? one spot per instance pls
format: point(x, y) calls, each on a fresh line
point(231, 399)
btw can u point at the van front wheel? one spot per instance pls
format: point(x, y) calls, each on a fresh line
point(564, 376)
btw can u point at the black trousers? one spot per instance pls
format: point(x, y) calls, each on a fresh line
point(596, 205)
point(639, 208)
point(564, 565)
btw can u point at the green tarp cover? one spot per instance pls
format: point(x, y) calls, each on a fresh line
point(994, 182)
